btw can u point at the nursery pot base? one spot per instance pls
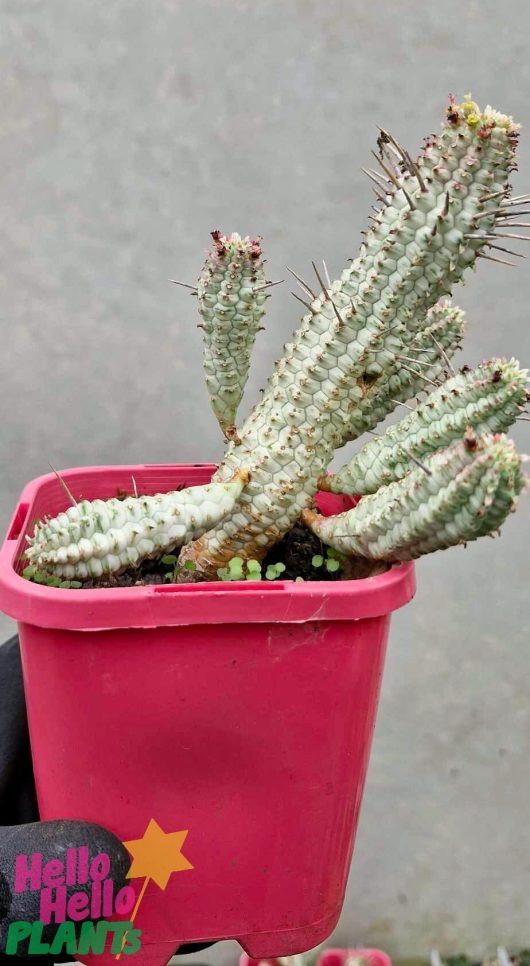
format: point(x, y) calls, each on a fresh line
point(238, 714)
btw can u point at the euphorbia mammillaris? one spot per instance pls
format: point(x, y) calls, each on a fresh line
point(437, 217)
point(371, 340)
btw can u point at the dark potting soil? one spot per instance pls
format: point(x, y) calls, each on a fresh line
point(296, 550)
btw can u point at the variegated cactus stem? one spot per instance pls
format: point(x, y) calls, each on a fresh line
point(419, 365)
point(463, 492)
point(103, 537)
point(436, 219)
point(232, 291)
point(488, 399)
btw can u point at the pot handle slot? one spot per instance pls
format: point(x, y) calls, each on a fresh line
point(18, 521)
point(214, 587)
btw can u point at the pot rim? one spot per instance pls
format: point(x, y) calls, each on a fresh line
point(176, 604)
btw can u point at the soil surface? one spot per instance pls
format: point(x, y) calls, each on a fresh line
point(296, 550)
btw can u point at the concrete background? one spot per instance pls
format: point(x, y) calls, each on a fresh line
point(130, 129)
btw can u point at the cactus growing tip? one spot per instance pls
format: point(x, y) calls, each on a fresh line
point(468, 112)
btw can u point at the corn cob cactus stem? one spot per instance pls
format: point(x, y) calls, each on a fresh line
point(438, 217)
point(98, 538)
point(232, 291)
point(488, 399)
point(464, 492)
point(425, 362)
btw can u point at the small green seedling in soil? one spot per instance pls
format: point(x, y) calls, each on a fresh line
point(332, 561)
point(274, 571)
point(39, 577)
point(239, 569)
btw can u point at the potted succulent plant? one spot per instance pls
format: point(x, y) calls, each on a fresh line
point(204, 645)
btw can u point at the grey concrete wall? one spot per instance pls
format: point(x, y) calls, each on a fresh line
point(128, 130)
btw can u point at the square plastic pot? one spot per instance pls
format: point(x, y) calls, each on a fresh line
point(241, 712)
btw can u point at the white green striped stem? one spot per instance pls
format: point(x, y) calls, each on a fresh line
point(96, 538)
point(418, 365)
point(464, 492)
point(488, 399)
point(232, 291)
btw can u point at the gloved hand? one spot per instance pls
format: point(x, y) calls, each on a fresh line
point(18, 804)
point(21, 833)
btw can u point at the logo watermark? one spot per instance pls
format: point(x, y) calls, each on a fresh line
point(154, 859)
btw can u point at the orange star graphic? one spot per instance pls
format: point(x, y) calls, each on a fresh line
point(157, 855)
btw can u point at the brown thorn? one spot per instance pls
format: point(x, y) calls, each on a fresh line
point(420, 375)
point(501, 216)
point(398, 403)
point(417, 461)
point(301, 282)
point(412, 206)
point(510, 203)
point(269, 285)
point(337, 313)
point(444, 355)
point(307, 305)
point(494, 194)
point(388, 150)
point(417, 362)
point(382, 177)
point(395, 181)
point(508, 251)
point(184, 284)
point(508, 234)
point(376, 180)
point(319, 278)
point(414, 168)
point(326, 273)
point(516, 199)
point(380, 196)
point(515, 224)
point(485, 214)
point(501, 261)
point(72, 498)
point(404, 154)
point(445, 209)
point(481, 237)
point(393, 158)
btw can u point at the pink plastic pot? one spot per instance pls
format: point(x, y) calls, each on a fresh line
point(243, 712)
